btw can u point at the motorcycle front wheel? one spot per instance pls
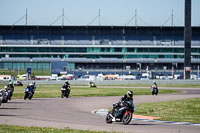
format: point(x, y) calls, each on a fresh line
point(127, 117)
point(62, 94)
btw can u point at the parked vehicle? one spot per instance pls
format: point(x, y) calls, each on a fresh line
point(87, 77)
point(5, 77)
point(125, 109)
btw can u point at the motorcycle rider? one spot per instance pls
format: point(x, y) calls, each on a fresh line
point(154, 87)
point(92, 84)
point(29, 91)
point(128, 97)
point(66, 84)
point(4, 94)
point(5, 88)
point(33, 86)
point(66, 87)
point(10, 87)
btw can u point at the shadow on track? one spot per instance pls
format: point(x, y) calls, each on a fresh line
point(137, 124)
point(35, 99)
point(141, 124)
point(7, 115)
point(10, 108)
point(16, 102)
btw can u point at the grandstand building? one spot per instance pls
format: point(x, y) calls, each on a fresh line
point(96, 48)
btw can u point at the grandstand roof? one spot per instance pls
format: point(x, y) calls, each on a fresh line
point(39, 29)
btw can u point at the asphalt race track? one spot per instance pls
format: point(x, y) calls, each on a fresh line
point(76, 113)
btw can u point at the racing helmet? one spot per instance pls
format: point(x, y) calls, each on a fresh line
point(5, 87)
point(154, 82)
point(130, 94)
point(66, 82)
point(33, 82)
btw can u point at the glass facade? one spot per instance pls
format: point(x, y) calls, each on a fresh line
point(92, 46)
point(22, 66)
point(95, 49)
point(97, 52)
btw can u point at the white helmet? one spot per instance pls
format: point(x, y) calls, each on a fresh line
point(5, 87)
point(130, 94)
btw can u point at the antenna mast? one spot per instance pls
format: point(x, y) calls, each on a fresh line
point(99, 16)
point(135, 17)
point(172, 17)
point(26, 17)
point(63, 20)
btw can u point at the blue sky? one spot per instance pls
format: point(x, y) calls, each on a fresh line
point(81, 12)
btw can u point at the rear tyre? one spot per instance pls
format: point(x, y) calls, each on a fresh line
point(156, 91)
point(25, 96)
point(30, 96)
point(109, 118)
point(127, 117)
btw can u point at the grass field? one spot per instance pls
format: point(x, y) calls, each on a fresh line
point(20, 129)
point(33, 72)
point(161, 85)
point(53, 91)
point(180, 110)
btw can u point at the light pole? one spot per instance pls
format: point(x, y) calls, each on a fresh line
point(187, 39)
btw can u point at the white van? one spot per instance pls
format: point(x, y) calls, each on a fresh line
point(5, 77)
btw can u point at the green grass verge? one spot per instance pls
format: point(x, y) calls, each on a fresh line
point(160, 85)
point(20, 129)
point(33, 72)
point(179, 110)
point(53, 91)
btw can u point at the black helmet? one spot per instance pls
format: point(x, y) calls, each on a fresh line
point(130, 94)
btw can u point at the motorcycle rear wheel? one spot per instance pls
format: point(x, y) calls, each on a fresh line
point(109, 118)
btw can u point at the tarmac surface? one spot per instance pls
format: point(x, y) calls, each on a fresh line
point(76, 113)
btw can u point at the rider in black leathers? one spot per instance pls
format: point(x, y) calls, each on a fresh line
point(126, 98)
point(66, 86)
point(154, 88)
point(10, 87)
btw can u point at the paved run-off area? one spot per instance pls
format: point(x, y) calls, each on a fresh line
point(76, 113)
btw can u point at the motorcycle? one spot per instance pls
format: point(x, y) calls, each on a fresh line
point(4, 96)
point(65, 92)
point(1, 98)
point(154, 90)
point(124, 111)
point(10, 93)
point(28, 93)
